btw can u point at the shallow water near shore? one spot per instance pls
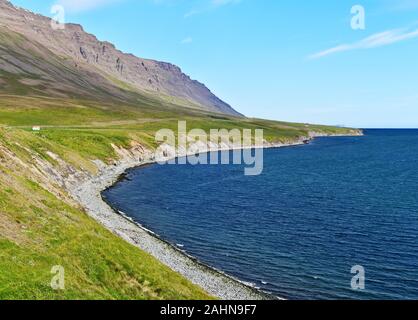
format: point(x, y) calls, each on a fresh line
point(298, 229)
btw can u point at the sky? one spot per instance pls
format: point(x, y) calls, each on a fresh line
point(291, 60)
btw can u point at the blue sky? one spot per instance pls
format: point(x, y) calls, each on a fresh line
point(292, 60)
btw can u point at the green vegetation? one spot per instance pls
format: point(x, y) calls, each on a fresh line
point(38, 231)
point(89, 128)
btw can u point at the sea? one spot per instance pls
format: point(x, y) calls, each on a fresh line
point(333, 219)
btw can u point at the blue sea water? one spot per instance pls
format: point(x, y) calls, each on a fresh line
point(298, 229)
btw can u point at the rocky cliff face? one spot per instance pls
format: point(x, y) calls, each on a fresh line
point(86, 53)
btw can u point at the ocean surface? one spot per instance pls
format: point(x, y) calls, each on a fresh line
point(298, 229)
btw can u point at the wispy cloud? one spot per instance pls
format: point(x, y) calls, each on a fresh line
point(374, 41)
point(84, 5)
point(187, 40)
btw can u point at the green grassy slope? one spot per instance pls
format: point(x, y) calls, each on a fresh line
point(38, 231)
point(89, 127)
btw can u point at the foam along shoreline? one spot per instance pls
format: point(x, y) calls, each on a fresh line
point(87, 191)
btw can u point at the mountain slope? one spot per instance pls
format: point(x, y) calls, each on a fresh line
point(95, 64)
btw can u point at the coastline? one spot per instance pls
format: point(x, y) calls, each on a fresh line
point(87, 191)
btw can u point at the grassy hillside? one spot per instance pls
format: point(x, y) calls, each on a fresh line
point(41, 227)
point(39, 230)
point(89, 127)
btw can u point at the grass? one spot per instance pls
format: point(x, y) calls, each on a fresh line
point(39, 231)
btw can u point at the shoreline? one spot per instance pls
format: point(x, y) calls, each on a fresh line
point(88, 193)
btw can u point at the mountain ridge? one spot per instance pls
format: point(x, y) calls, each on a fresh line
point(89, 54)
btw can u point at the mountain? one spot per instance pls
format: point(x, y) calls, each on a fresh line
point(40, 60)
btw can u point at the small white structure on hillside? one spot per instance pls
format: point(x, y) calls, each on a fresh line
point(36, 128)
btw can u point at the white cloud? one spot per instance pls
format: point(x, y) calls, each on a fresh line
point(187, 40)
point(83, 5)
point(376, 40)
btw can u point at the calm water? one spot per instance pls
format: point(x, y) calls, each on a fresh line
point(296, 230)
